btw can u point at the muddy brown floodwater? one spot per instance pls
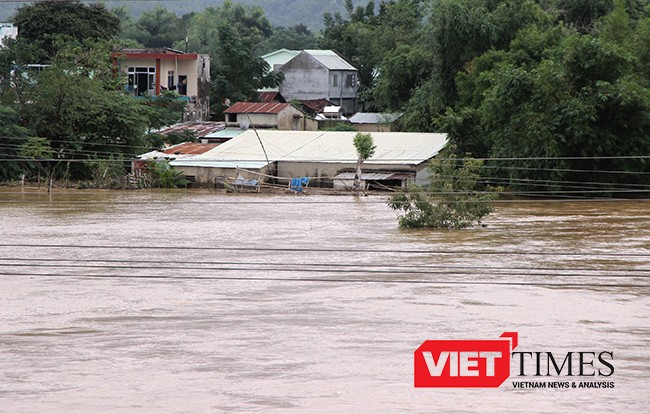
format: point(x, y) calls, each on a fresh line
point(198, 302)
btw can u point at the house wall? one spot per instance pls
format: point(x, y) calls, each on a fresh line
point(204, 176)
point(289, 119)
point(327, 171)
point(258, 120)
point(341, 88)
point(198, 80)
point(422, 173)
point(305, 78)
point(372, 127)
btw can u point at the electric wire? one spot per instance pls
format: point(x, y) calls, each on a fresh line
point(327, 250)
point(184, 265)
point(336, 280)
point(288, 269)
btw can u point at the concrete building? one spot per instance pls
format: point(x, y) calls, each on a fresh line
point(149, 72)
point(321, 74)
point(319, 155)
point(276, 115)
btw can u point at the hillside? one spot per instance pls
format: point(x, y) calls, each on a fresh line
point(279, 12)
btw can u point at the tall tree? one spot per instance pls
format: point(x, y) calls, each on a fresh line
point(12, 135)
point(230, 34)
point(365, 147)
point(159, 28)
point(43, 22)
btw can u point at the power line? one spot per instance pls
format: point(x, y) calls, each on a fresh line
point(286, 268)
point(337, 280)
point(374, 265)
point(326, 250)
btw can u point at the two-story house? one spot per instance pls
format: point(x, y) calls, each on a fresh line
point(149, 72)
point(321, 74)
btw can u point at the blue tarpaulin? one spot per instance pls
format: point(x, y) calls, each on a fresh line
point(297, 184)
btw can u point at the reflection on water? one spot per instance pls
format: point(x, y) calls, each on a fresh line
point(203, 302)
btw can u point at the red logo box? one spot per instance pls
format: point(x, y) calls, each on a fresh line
point(470, 364)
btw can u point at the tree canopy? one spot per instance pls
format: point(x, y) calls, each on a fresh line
point(44, 23)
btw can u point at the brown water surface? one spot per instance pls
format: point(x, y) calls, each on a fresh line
point(195, 301)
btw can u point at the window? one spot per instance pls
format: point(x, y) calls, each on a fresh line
point(350, 81)
point(170, 79)
point(142, 80)
point(335, 81)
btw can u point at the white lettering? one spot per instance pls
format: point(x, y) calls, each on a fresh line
point(435, 369)
point(489, 361)
point(466, 364)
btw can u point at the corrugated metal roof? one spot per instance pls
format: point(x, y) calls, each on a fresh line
point(374, 118)
point(200, 128)
point(270, 96)
point(330, 59)
point(393, 148)
point(189, 148)
point(225, 133)
point(316, 105)
point(192, 162)
point(256, 108)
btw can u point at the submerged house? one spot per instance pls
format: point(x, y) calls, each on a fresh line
point(403, 158)
point(150, 72)
point(278, 115)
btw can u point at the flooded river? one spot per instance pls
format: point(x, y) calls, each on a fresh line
point(200, 302)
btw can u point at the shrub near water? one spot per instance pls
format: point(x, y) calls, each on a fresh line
point(452, 199)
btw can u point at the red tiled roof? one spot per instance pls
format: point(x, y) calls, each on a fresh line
point(256, 108)
point(271, 97)
point(187, 148)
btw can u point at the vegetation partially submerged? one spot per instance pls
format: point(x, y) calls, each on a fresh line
point(455, 198)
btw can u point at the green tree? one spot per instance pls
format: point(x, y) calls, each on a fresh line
point(159, 28)
point(563, 104)
point(453, 199)
point(38, 151)
point(230, 34)
point(43, 22)
point(12, 136)
point(79, 107)
point(365, 147)
point(297, 37)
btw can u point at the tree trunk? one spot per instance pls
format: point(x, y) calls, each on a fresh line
point(357, 176)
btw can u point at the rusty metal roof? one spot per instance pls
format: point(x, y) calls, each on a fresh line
point(316, 105)
point(200, 128)
point(189, 148)
point(273, 96)
point(256, 108)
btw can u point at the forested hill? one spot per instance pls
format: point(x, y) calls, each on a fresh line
point(279, 12)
